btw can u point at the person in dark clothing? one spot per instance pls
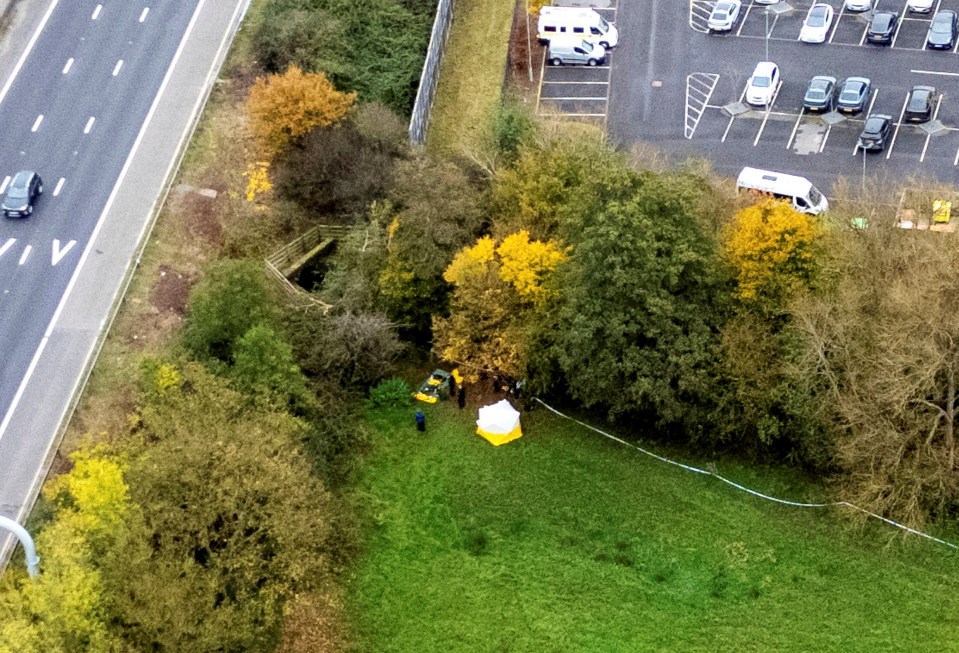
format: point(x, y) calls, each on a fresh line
point(461, 397)
point(420, 421)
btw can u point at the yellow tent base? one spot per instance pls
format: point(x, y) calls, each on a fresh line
point(496, 439)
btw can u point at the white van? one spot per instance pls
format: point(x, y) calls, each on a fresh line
point(575, 21)
point(575, 50)
point(804, 197)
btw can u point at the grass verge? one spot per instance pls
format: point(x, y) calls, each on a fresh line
point(564, 541)
point(471, 77)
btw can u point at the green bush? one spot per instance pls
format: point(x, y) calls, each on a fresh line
point(392, 393)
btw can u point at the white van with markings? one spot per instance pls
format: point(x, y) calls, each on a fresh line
point(804, 197)
point(576, 21)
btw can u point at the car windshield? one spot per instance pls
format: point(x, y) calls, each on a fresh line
point(817, 17)
point(881, 22)
point(852, 92)
point(720, 13)
point(873, 126)
point(586, 45)
point(815, 196)
point(603, 25)
point(918, 100)
point(941, 26)
point(17, 193)
point(816, 94)
point(760, 81)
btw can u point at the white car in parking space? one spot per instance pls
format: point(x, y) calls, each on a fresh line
point(817, 24)
point(920, 6)
point(860, 5)
point(724, 15)
point(763, 84)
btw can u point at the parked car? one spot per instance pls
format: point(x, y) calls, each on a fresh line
point(875, 132)
point(724, 15)
point(919, 104)
point(854, 94)
point(763, 84)
point(766, 2)
point(820, 94)
point(942, 31)
point(575, 50)
point(858, 5)
point(22, 194)
point(816, 26)
point(882, 27)
point(920, 6)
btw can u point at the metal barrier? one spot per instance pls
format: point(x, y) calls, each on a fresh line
point(419, 121)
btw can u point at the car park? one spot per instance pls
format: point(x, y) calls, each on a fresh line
point(820, 94)
point(574, 50)
point(22, 194)
point(920, 6)
point(854, 94)
point(875, 132)
point(942, 31)
point(724, 15)
point(817, 24)
point(882, 27)
point(919, 104)
point(858, 5)
point(762, 84)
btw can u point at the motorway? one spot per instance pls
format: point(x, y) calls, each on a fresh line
point(101, 106)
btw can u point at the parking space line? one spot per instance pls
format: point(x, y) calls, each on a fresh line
point(935, 114)
point(742, 21)
point(822, 146)
point(697, 9)
point(732, 118)
point(836, 23)
point(577, 83)
point(789, 143)
point(934, 72)
point(865, 31)
point(895, 132)
point(574, 98)
point(896, 35)
point(769, 108)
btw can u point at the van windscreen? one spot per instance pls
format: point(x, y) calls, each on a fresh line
point(603, 25)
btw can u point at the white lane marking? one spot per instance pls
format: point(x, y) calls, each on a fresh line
point(732, 118)
point(769, 108)
point(789, 143)
point(26, 254)
point(822, 146)
point(69, 65)
point(86, 130)
point(7, 245)
point(58, 253)
point(56, 191)
point(835, 27)
point(26, 52)
point(934, 72)
point(143, 14)
point(935, 115)
point(116, 68)
point(96, 12)
point(36, 123)
point(3, 186)
point(895, 133)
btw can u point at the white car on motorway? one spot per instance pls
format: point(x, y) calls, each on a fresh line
point(724, 15)
point(920, 6)
point(817, 24)
point(763, 84)
point(860, 5)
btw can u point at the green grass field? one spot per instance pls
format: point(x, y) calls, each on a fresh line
point(565, 541)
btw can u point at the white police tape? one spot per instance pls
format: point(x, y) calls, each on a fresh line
point(744, 488)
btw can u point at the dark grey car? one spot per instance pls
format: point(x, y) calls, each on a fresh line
point(942, 31)
point(875, 132)
point(919, 104)
point(22, 194)
point(820, 94)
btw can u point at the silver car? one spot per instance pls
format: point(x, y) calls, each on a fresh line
point(575, 50)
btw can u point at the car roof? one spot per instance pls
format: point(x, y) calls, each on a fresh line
point(923, 89)
point(766, 67)
point(822, 78)
point(859, 80)
point(22, 177)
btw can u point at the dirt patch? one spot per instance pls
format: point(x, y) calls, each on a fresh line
point(170, 291)
point(200, 217)
point(525, 53)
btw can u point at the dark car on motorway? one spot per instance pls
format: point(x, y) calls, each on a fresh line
point(820, 94)
point(919, 104)
point(882, 27)
point(942, 31)
point(875, 132)
point(854, 94)
point(22, 194)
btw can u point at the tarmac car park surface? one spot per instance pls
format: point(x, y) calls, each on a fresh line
point(679, 87)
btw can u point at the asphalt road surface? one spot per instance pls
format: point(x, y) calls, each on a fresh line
point(101, 106)
point(672, 82)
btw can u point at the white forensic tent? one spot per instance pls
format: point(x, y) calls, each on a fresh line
point(499, 423)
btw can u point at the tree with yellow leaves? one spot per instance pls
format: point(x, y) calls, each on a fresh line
point(289, 105)
point(498, 289)
point(771, 248)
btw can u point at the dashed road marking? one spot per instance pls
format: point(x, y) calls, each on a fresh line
point(116, 68)
point(699, 88)
point(96, 12)
point(36, 123)
point(143, 14)
point(69, 65)
point(56, 191)
point(26, 254)
point(86, 130)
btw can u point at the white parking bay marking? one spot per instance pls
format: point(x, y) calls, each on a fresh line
point(58, 253)
point(895, 132)
point(935, 115)
point(699, 88)
point(56, 191)
point(3, 186)
point(26, 254)
point(69, 65)
point(769, 108)
point(143, 14)
point(96, 12)
point(86, 130)
point(36, 123)
point(7, 245)
point(934, 72)
point(116, 68)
